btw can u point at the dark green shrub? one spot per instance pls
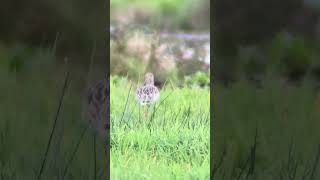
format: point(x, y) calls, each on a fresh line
point(198, 79)
point(289, 56)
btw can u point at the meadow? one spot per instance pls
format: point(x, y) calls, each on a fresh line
point(266, 132)
point(173, 142)
point(31, 86)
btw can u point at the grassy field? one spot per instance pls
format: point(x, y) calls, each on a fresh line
point(171, 143)
point(28, 106)
point(286, 119)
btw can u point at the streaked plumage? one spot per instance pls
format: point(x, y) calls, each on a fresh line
point(97, 110)
point(98, 107)
point(148, 93)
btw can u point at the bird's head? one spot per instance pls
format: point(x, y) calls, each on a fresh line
point(149, 79)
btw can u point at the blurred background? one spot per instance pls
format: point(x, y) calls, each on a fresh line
point(35, 38)
point(65, 28)
point(168, 37)
point(266, 74)
point(254, 39)
point(163, 15)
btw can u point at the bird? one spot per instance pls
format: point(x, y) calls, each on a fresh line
point(147, 94)
point(97, 108)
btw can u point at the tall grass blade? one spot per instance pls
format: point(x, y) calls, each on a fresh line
point(74, 152)
point(94, 157)
point(54, 126)
point(125, 106)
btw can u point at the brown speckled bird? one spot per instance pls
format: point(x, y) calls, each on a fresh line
point(148, 93)
point(98, 109)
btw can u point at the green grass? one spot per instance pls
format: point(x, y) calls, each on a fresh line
point(29, 101)
point(282, 114)
point(153, 6)
point(176, 13)
point(172, 143)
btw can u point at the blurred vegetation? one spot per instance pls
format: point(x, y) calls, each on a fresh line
point(35, 38)
point(136, 50)
point(266, 73)
point(29, 100)
point(286, 120)
point(68, 28)
point(163, 14)
point(282, 37)
point(198, 79)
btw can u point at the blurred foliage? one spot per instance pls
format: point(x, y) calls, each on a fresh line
point(20, 61)
point(29, 99)
point(71, 27)
point(198, 79)
point(285, 55)
point(118, 80)
point(23, 58)
point(290, 54)
point(137, 53)
point(277, 111)
point(168, 14)
point(274, 42)
point(282, 34)
point(16, 62)
point(249, 21)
